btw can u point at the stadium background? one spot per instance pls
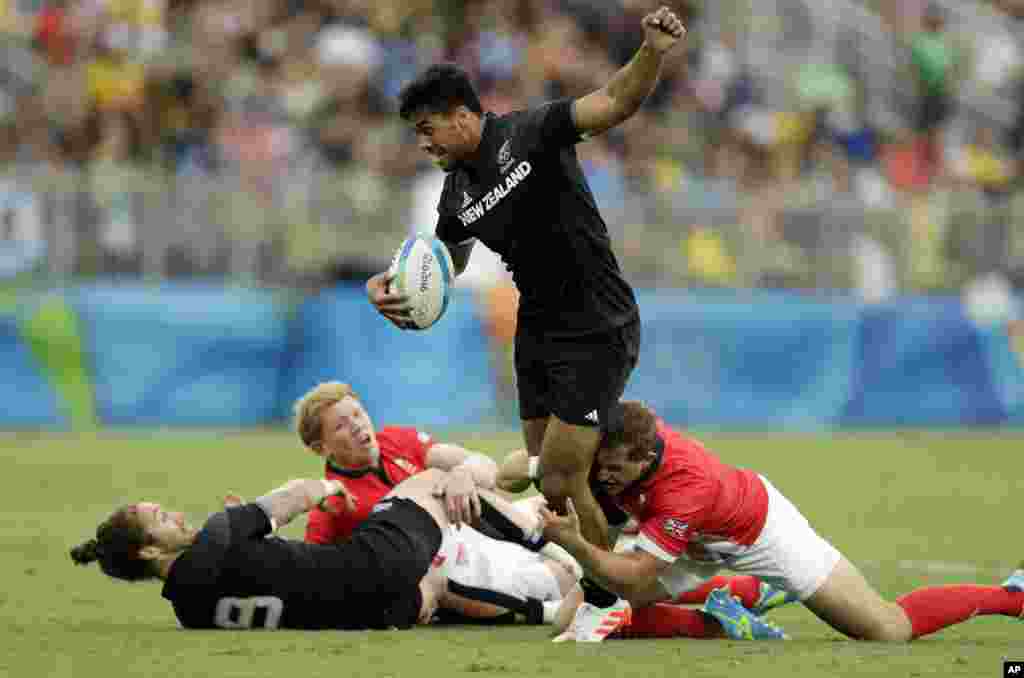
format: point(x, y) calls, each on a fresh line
point(193, 192)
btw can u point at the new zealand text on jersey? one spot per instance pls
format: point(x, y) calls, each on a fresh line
point(495, 195)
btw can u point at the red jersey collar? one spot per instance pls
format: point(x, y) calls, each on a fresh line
point(356, 473)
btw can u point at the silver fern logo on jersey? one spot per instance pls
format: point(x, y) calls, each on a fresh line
point(505, 159)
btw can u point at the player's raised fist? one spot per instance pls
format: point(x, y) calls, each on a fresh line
point(662, 29)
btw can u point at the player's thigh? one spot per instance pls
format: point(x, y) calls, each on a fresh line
point(850, 605)
point(587, 375)
point(533, 434)
point(788, 553)
point(531, 386)
point(568, 449)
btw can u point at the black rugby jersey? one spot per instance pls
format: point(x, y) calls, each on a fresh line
point(524, 195)
point(235, 576)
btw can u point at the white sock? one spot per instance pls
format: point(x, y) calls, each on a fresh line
point(550, 610)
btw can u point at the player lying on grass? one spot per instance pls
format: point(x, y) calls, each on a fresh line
point(697, 515)
point(233, 574)
point(489, 579)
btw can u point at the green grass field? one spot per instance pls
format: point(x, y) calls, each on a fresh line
point(912, 509)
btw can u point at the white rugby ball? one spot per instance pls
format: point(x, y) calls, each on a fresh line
point(422, 269)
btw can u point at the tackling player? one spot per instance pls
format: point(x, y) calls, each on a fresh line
point(698, 514)
point(755, 597)
point(233, 574)
point(489, 578)
point(515, 184)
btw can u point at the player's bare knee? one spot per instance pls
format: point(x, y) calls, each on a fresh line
point(890, 625)
point(895, 627)
point(885, 633)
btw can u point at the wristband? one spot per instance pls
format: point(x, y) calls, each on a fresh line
point(533, 468)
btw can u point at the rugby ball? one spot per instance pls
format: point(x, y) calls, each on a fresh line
point(422, 270)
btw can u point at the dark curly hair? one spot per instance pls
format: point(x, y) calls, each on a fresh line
point(116, 547)
point(439, 89)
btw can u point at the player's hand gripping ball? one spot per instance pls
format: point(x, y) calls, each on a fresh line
point(422, 270)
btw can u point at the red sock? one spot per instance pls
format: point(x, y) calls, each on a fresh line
point(664, 620)
point(937, 607)
point(746, 588)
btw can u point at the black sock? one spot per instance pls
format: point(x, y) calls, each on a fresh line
point(595, 594)
point(494, 524)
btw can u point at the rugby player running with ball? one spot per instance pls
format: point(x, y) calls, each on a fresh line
point(514, 183)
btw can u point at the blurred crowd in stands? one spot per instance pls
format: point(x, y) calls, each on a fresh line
point(855, 145)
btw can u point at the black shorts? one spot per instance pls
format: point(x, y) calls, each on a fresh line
point(399, 541)
point(574, 378)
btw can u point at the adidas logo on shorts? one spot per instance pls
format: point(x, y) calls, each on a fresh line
point(592, 417)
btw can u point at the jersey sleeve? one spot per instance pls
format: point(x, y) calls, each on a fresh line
point(202, 563)
point(672, 515)
point(249, 521)
point(451, 231)
point(550, 125)
point(407, 443)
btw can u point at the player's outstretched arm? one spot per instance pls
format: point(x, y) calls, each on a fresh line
point(630, 86)
point(299, 496)
point(467, 472)
point(449, 457)
point(629, 575)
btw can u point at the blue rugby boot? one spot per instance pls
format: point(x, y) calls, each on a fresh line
point(771, 597)
point(738, 622)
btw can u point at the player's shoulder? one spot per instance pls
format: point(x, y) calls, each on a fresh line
point(684, 460)
point(677, 442)
point(395, 438)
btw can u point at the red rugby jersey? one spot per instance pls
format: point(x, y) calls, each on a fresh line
point(694, 503)
point(403, 452)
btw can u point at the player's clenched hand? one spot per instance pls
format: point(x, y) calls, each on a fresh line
point(560, 529)
point(337, 489)
point(389, 303)
point(461, 501)
point(662, 29)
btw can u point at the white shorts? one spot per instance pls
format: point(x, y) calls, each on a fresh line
point(788, 554)
point(477, 561)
